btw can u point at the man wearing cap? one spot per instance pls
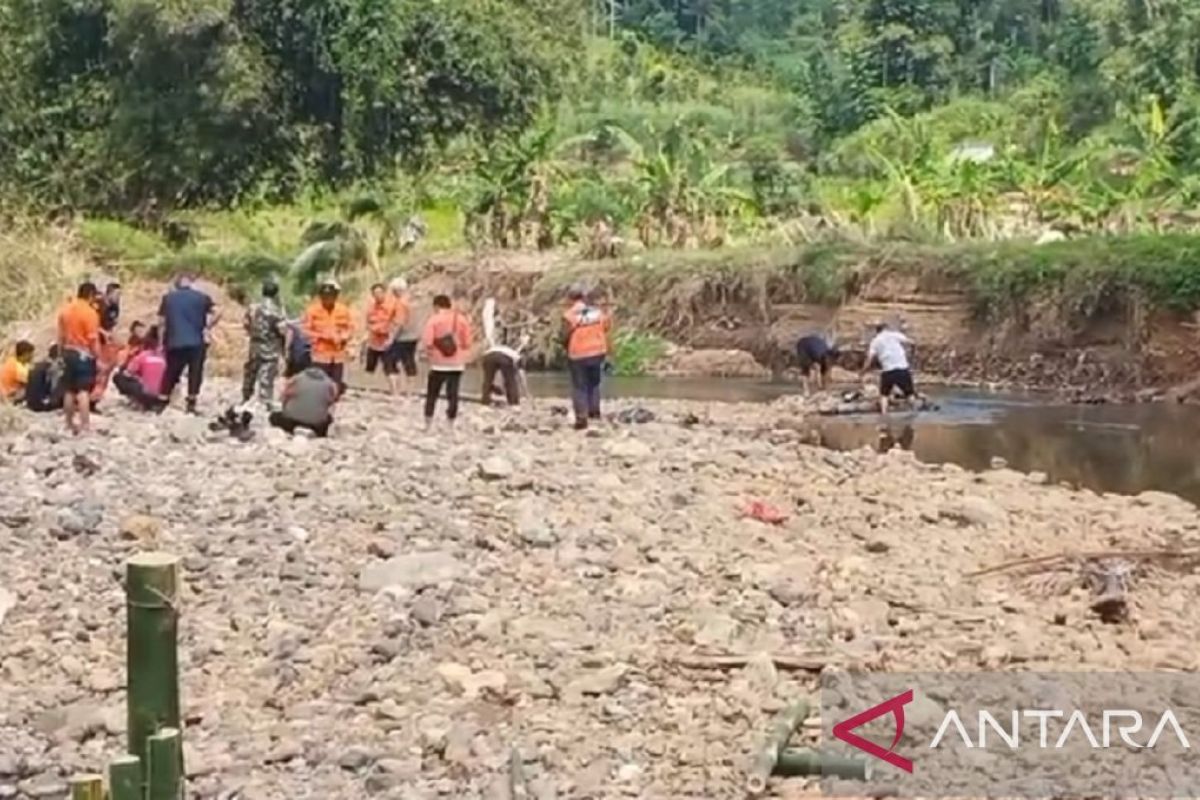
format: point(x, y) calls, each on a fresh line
point(585, 335)
point(329, 326)
point(186, 317)
point(267, 327)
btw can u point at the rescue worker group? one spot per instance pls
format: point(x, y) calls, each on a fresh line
point(147, 364)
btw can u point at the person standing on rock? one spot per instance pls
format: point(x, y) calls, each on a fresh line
point(308, 401)
point(266, 325)
point(79, 342)
point(329, 327)
point(381, 335)
point(887, 349)
point(586, 330)
point(186, 318)
point(408, 333)
point(447, 343)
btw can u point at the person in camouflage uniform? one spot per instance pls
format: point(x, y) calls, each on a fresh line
point(266, 324)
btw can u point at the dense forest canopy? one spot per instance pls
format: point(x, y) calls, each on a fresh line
point(682, 119)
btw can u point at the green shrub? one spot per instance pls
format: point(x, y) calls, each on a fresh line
point(635, 351)
point(111, 241)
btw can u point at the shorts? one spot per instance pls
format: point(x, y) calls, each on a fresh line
point(387, 357)
point(901, 379)
point(807, 362)
point(79, 371)
point(405, 354)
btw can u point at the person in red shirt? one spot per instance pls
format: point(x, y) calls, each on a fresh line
point(141, 378)
point(79, 342)
point(447, 343)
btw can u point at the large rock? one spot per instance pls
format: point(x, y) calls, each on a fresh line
point(977, 511)
point(412, 571)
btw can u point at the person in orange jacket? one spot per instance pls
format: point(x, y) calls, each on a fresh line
point(447, 343)
point(329, 327)
point(585, 335)
point(381, 319)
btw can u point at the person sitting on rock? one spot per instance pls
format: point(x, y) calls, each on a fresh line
point(815, 351)
point(141, 379)
point(133, 342)
point(14, 372)
point(308, 401)
point(45, 389)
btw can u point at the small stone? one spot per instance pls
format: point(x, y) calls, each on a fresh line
point(495, 469)
point(356, 758)
point(141, 528)
point(81, 517)
point(628, 449)
point(427, 611)
point(595, 683)
point(976, 511)
point(998, 463)
point(789, 591)
point(44, 787)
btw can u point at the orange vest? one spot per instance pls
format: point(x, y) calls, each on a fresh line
point(588, 328)
point(328, 331)
point(380, 317)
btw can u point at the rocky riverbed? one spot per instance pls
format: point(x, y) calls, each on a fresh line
point(388, 613)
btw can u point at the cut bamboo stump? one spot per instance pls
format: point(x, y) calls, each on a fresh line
point(783, 726)
point(164, 773)
point(519, 788)
point(125, 779)
point(152, 659)
point(805, 761)
point(87, 787)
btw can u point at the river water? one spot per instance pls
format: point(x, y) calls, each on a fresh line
point(1109, 448)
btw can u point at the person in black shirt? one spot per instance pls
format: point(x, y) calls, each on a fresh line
point(45, 389)
point(110, 307)
point(814, 351)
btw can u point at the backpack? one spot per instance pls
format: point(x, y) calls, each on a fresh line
point(446, 344)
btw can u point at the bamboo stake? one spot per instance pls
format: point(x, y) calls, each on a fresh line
point(516, 776)
point(87, 787)
point(125, 778)
point(165, 769)
point(783, 726)
point(806, 761)
point(152, 659)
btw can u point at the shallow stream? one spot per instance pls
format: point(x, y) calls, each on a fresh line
point(1108, 448)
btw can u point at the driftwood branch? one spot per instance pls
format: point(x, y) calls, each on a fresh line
point(1052, 561)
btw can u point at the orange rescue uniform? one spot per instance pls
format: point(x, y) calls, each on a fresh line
point(381, 322)
point(329, 331)
point(587, 331)
point(13, 377)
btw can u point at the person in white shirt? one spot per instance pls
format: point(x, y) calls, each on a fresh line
point(500, 359)
point(887, 348)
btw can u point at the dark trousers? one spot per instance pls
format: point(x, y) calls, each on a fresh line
point(180, 359)
point(437, 379)
point(131, 388)
point(279, 420)
point(336, 372)
point(585, 386)
point(503, 364)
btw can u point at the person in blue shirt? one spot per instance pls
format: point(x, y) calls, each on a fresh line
point(186, 317)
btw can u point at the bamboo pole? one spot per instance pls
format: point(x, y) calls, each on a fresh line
point(806, 761)
point(518, 787)
point(164, 773)
point(783, 726)
point(87, 787)
point(125, 778)
point(152, 659)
